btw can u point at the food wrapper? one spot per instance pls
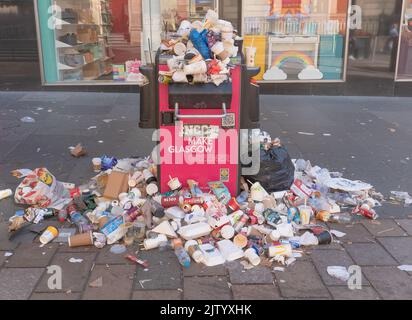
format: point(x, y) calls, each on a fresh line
point(41, 189)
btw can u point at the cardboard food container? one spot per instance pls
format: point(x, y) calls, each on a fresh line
point(117, 183)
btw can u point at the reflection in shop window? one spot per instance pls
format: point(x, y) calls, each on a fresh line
point(404, 71)
point(297, 40)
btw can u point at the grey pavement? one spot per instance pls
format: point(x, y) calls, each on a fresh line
point(365, 138)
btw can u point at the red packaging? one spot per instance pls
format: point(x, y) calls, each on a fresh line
point(76, 192)
point(233, 204)
point(193, 201)
point(168, 202)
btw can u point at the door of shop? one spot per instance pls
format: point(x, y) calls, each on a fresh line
point(373, 48)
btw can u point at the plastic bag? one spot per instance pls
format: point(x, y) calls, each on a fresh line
point(199, 41)
point(43, 190)
point(277, 171)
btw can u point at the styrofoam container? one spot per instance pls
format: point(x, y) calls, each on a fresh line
point(212, 256)
point(195, 231)
point(229, 251)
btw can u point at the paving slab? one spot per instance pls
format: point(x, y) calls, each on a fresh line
point(326, 258)
point(117, 283)
point(64, 248)
point(400, 248)
point(3, 258)
point(55, 296)
point(104, 256)
point(405, 224)
point(148, 295)
point(74, 275)
point(200, 270)
point(301, 280)
point(354, 232)
point(206, 288)
point(384, 228)
point(5, 243)
point(17, 283)
point(164, 272)
point(390, 282)
point(256, 292)
point(344, 293)
point(257, 275)
point(32, 256)
point(370, 254)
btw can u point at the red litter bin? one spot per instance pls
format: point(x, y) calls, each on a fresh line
point(200, 124)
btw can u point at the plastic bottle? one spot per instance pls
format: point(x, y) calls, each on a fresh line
point(5, 193)
point(340, 218)
point(182, 256)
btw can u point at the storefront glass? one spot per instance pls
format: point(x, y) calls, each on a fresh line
point(90, 40)
point(297, 40)
point(373, 42)
point(404, 70)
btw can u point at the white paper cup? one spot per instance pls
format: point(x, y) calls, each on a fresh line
point(218, 48)
point(253, 258)
point(195, 68)
point(250, 56)
point(227, 232)
point(305, 214)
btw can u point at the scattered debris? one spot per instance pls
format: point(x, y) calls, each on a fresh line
point(339, 272)
point(98, 283)
point(78, 151)
point(407, 268)
point(27, 120)
point(74, 260)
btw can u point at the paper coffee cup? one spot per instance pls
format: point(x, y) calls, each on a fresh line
point(79, 240)
point(152, 189)
point(218, 48)
point(227, 232)
point(195, 68)
point(241, 241)
point(97, 164)
point(49, 235)
point(250, 56)
point(179, 49)
point(174, 184)
point(305, 214)
point(253, 258)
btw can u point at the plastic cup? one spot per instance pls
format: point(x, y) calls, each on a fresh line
point(48, 235)
point(97, 164)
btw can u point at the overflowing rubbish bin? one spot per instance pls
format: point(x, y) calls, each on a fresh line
point(189, 196)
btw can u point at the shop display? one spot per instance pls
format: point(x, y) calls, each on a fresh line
point(304, 38)
point(90, 38)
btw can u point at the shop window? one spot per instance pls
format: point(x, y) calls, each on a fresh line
point(90, 40)
point(297, 40)
point(404, 71)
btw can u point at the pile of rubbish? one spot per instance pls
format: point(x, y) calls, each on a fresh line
point(122, 206)
point(200, 52)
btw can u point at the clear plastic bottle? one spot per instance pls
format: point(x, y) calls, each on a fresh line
point(182, 256)
point(342, 218)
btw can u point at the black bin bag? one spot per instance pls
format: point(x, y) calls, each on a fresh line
point(277, 171)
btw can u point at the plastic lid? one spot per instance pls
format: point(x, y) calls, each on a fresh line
point(152, 189)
